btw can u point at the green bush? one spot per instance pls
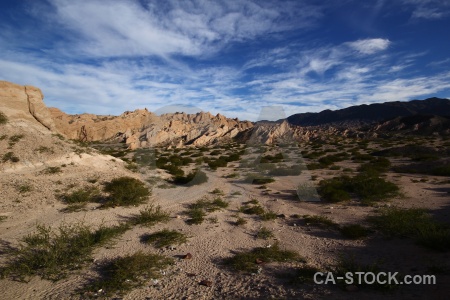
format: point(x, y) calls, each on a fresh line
point(380, 165)
point(292, 171)
point(52, 254)
point(248, 261)
point(264, 234)
point(367, 186)
point(195, 177)
point(3, 118)
point(122, 274)
point(149, 216)
point(164, 238)
point(321, 221)
point(126, 191)
point(9, 156)
point(83, 195)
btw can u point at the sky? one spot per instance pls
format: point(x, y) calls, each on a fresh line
point(233, 57)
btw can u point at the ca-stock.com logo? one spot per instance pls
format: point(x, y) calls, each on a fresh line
point(267, 153)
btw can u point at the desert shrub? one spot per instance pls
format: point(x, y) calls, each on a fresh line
point(264, 233)
point(372, 188)
point(122, 274)
point(321, 221)
point(415, 152)
point(358, 157)
point(240, 221)
point(126, 191)
point(333, 190)
point(3, 118)
point(248, 261)
point(51, 254)
point(197, 210)
point(83, 195)
point(149, 216)
point(9, 156)
point(217, 191)
point(164, 238)
point(52, 170)
point(354, 231)
point(292, 171)
point(437, 168)
point(368, 187)
point(43, 149)
point(268, 215)
point(24, 188)
point(272, 158)
point(252, 209)
point(218, 163)
point(380, 165)
point(195, 177)
point(14, 139)
point(414, 223)
point(196, 216)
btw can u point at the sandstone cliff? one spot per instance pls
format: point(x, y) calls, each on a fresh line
point(141, 128)
point(25, 103)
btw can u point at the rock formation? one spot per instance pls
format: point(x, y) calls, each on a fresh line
point(20, 103)
point(142, 128)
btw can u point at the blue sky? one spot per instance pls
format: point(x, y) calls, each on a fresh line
point(231, 57)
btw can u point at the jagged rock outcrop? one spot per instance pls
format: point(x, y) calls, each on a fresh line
point(20, 103)
point(142, 128)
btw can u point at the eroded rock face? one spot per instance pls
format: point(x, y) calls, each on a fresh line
point(142, 128)
point(19, 102)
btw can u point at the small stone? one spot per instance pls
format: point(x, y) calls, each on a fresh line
point(207, 283)
point(188, 256)
point(259, 261)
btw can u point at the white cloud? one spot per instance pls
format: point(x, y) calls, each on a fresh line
point(190, 27)
point(369, 46)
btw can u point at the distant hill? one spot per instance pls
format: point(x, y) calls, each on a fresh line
point(374, 112)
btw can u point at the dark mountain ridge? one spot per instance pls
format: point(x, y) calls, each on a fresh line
point(367, 114)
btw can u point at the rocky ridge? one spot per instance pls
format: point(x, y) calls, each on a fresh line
point(141, 128)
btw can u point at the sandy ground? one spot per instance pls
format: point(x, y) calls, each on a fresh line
point(211, 242)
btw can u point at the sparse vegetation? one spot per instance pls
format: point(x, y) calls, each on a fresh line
point(197, 211)
point(52, 170)
point(125, 191)
point(414, 223)
point(367, 186)
point(321, 221)
point(3, 118)
point(240, 221)
point(51, 254)
point(196, 177)
point(14, 139)
point(164, 238)
point(9, 156)
point(122, 274)
point(149, 216)
point(24, 188)
point(82, 195)
point(264, 233)
point(248, 261)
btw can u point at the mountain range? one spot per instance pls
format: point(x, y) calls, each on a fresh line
point(142, 128)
